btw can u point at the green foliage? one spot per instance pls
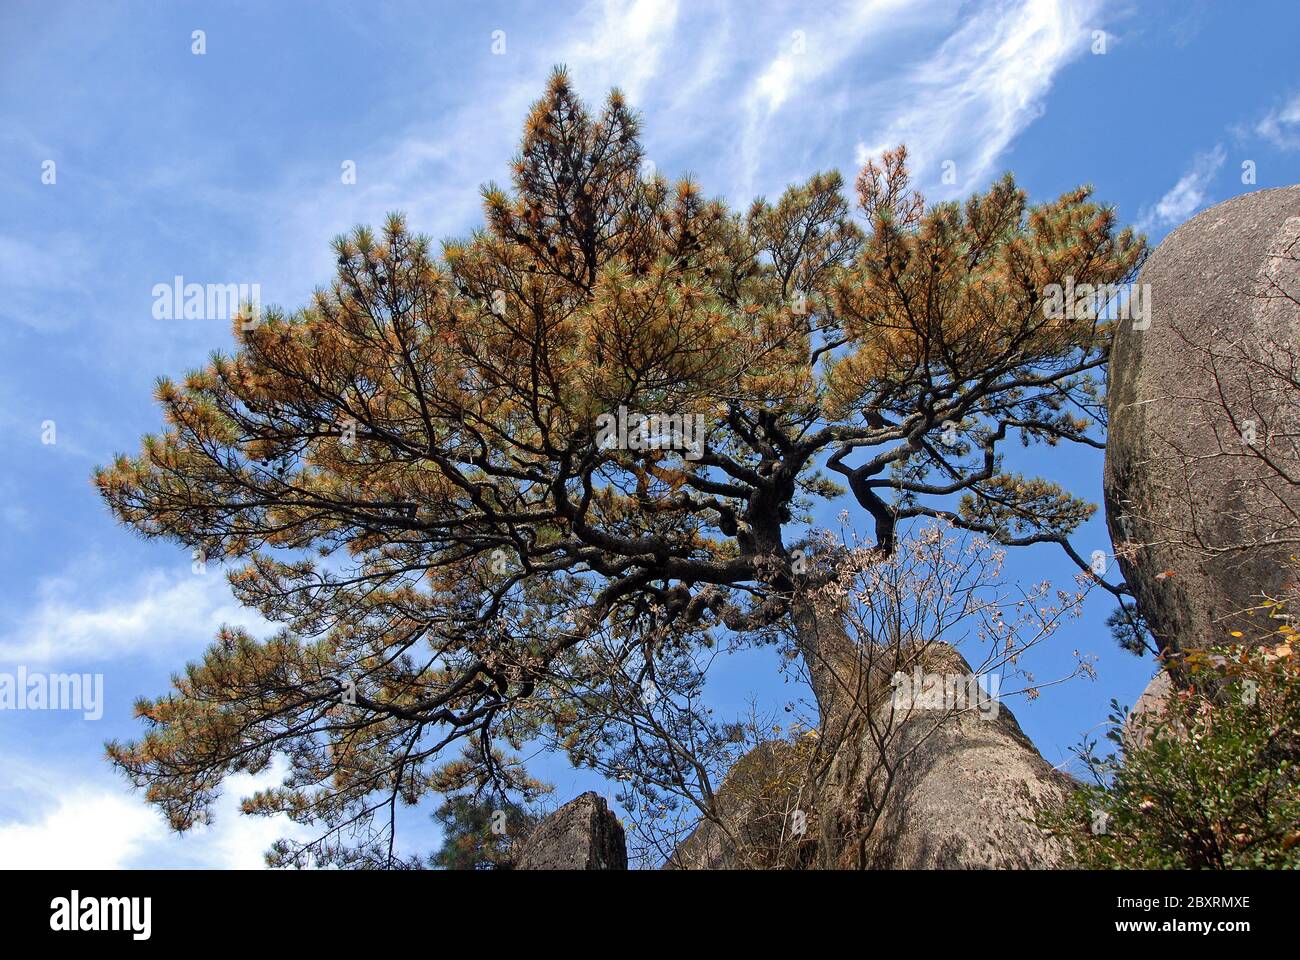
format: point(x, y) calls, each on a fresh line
point(1129, 629)
point(481, 833)
point(1210, 783)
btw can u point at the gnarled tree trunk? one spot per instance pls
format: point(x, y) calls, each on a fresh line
point(884, 784)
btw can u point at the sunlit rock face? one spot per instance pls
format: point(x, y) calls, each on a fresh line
point(1202, 474)
point(924, 787)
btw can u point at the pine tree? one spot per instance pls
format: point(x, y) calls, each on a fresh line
point(480, 833)
point(435, 477)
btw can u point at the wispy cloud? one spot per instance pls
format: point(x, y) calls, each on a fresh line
point(72, 835)
point(1188, 195)
point(40, 277)
point(626, 46)
point(432, 169)
point(1281, 126)
point(806, 52)
point(159, 613)
point(984, 85)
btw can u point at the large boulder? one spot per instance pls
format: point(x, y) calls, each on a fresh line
point(954, 790)
point(583, 834)
point(1202, 463)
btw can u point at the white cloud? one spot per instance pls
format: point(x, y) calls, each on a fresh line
point(1188, 195)
point(159, 613)
point(38, 278)
point(808, 49)
point(1281, 126)
point(984, 85)
point(87, 830)
point(108, 827)
point(813, 47)
point(626, 46)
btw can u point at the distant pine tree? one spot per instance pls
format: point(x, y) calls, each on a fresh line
point(481, 833)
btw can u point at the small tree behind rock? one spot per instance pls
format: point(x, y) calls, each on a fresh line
point(481, 833)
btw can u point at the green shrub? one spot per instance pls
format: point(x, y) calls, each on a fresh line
point(1209, 782)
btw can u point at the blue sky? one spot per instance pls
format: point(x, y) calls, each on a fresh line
point(225, 167)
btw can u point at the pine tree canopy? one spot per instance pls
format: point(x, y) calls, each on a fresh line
point(487, 489)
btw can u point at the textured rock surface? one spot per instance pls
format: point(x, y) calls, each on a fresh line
point(1149, 710)
point(964, 791)
point(583, 834)
point(752, 814)
point(1177, 484)
point(966, 788)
